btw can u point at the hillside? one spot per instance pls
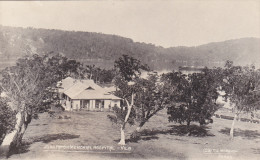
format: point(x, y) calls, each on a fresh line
point(102, 49)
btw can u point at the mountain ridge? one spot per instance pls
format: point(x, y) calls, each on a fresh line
point(102, 49)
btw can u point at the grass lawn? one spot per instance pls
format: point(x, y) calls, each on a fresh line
point(159, 139)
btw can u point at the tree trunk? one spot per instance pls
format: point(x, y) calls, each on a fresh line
point(140, 126)
point(188, 123)
point(13, 140)
point(11, 137)
point(188, 128)
point(18, 141)
point(232, 127)
point(122, 140)
point(2, 138)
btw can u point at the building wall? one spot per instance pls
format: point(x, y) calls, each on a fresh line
point(85, 104)
point(66, 104)
point(92, 104)
point(70, 105)
point(75, 104)
point(115, 102)
point(107, 104)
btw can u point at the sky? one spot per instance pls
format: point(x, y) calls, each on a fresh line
point(160, 22)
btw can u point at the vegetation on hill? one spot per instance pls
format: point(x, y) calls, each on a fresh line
point(102, 49)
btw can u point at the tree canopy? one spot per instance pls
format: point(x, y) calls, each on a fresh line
point(241, 87)
point(193, 96)
point(129, 67)
point(30, 87)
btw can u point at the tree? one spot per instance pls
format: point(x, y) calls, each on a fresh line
point(99, 75)
point(30, 87)
point(129, 67)
point(143, 97)
point(241, 86)
point(107, 76)
point(142, 100)
point(124, 114)
point(129, 70)
point(193, 96)
point(151, 98)
point(89, 71)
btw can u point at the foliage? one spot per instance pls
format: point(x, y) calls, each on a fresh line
point(99, 75)
point(31, 83)
point(151, 98)
point(241, 86)
point(7, 119)
point(129, 67)
point(125, 91)
point(102, 49)
point(193, 96)
point(126, 81)
point(148, 95)
point(30, 87)
point(119, 116)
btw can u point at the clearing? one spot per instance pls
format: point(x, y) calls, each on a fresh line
point(86, 135)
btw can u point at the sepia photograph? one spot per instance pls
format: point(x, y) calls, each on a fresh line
point(130, 79)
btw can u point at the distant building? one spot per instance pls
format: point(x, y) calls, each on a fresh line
point(85, 94)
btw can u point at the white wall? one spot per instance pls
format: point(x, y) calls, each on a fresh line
point(113, 102)
point(107, 103)
point(67, 105)
point(76, 104)
point(92, 104)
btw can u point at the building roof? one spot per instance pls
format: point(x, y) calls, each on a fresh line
point(74, 90)
point(84, 89)
point(94, 94)
point(68, 82)
point(110, 89)
point(65, 84)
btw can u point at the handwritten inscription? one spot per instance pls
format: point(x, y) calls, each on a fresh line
point(221, 151)
point(97, 148)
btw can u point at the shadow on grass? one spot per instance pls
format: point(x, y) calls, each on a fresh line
point(78, 113)
point(45, 139)
point(256, 150)
point(178, 130)
point(248, 134)
point(39, 124)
